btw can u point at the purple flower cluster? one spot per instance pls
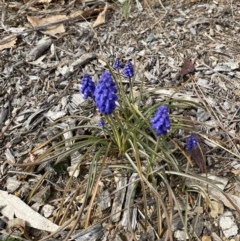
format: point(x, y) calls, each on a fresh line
point(88, 87)
point(191, 142)
point(128, 70)
point(106, 94)
point(117, 64)
point(161, 121)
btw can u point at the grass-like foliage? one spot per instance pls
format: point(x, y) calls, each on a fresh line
point(155, 143)
point(125, 6)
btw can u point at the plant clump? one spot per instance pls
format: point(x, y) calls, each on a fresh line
point(149, 138)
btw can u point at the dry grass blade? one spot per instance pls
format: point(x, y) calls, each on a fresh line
point(212, 113)
point(24, 7)
point(4, 10)
point(95, 189)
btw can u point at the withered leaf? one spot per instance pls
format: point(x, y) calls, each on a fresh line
point(101, 17)
point(187, 68)
point(10, 44)
point(198, 153)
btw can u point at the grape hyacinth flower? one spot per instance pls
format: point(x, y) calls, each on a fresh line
point(88, 87)
point(117, 65)
point(161, 121)
point(106, 94)
point(128, 70)
point(101, 123)
point(191, 142)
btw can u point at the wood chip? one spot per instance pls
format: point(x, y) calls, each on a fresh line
point(40, 48)
point(118, 198)
point(128, 215)
point(84, 59)
point(93, 233)
point(105, 200)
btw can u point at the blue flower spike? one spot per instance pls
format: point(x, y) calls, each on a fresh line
point(161, 121)
point(88, 87)
point(101, 123)
point(117, 64)
point(128, 70)
point(106, 94)
point(191, 142)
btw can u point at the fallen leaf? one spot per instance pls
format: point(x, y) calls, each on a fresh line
point(86, 13)
point(198, 153)
point(187, 68)
point(53, 30)
point(101, 19)
point(8, 45)
point(15, 207)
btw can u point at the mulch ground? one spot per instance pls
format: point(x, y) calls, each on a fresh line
point(45, 49)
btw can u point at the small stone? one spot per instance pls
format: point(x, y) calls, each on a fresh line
point(226, 105)
point(199, 226)
point(228, 227)
point(47, 210)
point(227, 213)
point(151, 38)
point(179, 20)
point(193, 31)
point(176, 224)
point(180, 235)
